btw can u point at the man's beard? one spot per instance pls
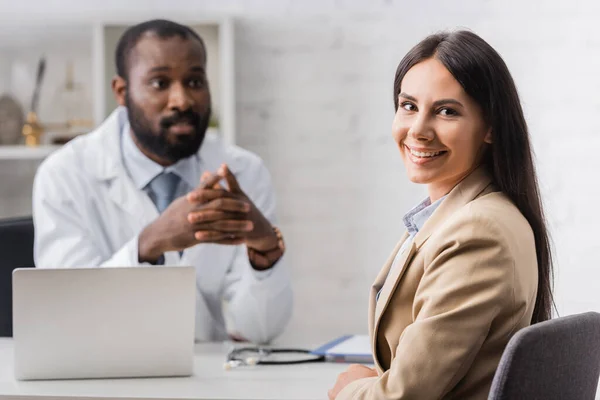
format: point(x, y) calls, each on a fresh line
point(157, 142)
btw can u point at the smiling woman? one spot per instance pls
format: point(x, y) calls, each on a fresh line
point(440, 130)
point(474, 265)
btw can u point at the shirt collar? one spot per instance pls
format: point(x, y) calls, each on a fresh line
point(142, 170)
point(416, 218)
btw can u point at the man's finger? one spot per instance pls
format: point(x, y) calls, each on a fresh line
point(234, 227)
point(203, 196)
point(212, 236)
point(210, 215)
point(209, 180)
point(228, 204)
point(232, 183)
point(205, 176)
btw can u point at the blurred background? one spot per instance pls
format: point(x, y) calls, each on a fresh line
point(307, 85)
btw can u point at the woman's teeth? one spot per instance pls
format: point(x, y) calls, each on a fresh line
point(424, 155)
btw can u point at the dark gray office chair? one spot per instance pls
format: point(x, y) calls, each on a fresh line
point(16, 250)
point(557, 359)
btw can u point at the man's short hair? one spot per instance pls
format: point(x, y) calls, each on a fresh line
point(162, 28)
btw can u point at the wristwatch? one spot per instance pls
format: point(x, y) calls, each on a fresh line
point(266, 259)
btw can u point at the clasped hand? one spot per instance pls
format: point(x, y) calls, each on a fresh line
point(210, 213)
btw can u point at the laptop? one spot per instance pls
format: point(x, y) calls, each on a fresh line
point(124, 322)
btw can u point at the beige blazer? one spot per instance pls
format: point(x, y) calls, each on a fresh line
point(452, 300)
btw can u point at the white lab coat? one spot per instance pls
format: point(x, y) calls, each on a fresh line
point(87, 212)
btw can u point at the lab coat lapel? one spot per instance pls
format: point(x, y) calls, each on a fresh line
point(107, 165)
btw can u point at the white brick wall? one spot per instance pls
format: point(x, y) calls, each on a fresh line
point(314, 84)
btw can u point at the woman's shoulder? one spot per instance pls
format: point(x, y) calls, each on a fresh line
point(496, 207)
point(492, 215)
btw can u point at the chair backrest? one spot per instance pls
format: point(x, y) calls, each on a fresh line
point(557, 359)
point(16, 251)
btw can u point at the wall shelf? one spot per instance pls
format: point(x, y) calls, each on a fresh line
point(90, 47)
point(21, 152)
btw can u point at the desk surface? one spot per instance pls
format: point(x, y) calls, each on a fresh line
point(210, 381)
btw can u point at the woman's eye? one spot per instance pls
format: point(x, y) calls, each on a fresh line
point(447, 112)
point(408, 106)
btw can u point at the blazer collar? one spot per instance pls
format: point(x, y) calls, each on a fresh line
point(471, 187)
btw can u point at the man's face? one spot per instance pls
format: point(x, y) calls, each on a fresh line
point(167, 96)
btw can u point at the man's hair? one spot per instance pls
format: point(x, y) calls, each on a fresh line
point(162, 28)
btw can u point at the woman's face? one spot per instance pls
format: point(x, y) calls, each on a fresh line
point(439, 129)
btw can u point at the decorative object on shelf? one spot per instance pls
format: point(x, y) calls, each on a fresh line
point(32, 130)
point(11, 120)
point(71, 97)
point(57, 133)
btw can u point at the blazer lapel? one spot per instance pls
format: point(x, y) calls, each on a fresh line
point(376, 287)
point(380, 280)
point(395, 274)
point(383, 273)
point(474, 185)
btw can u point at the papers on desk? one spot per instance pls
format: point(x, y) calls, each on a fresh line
point(349, 349)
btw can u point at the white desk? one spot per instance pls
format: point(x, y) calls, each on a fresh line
point(210, 381)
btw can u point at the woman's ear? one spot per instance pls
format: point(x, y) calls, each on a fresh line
point(488, 137)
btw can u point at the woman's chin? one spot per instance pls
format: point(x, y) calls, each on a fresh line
point(419, 177)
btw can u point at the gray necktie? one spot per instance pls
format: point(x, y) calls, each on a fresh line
point(164, 186)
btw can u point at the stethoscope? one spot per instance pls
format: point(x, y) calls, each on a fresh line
point(235, 357)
